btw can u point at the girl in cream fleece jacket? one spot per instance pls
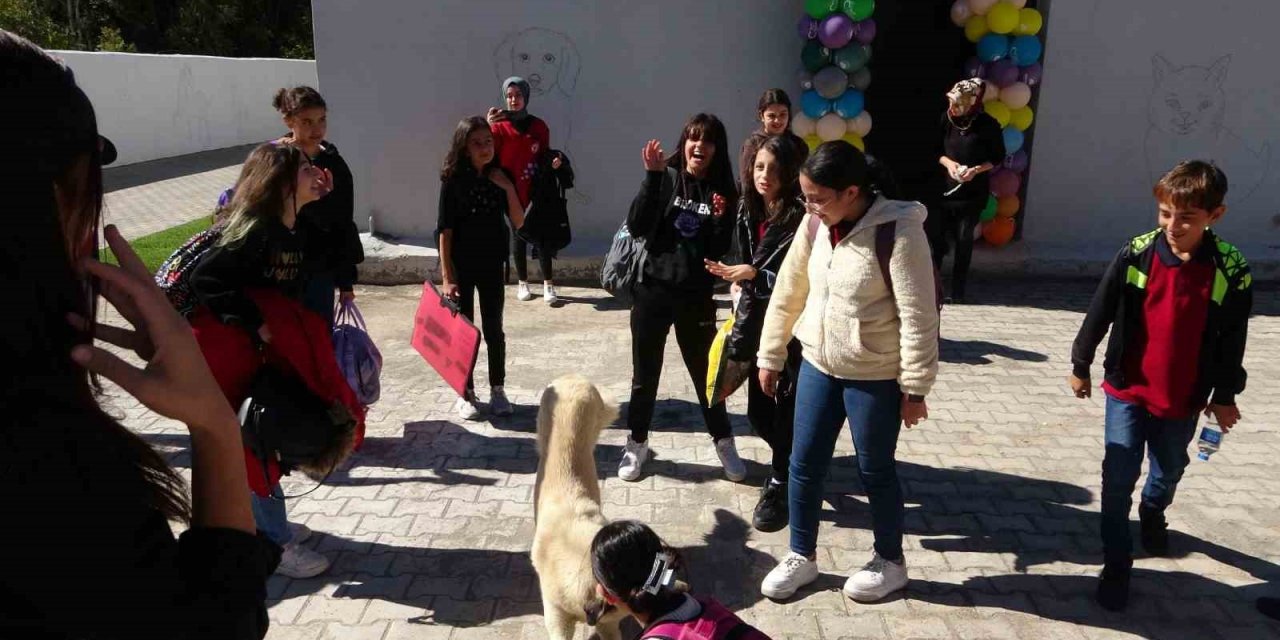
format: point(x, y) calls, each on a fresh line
point(870, 358)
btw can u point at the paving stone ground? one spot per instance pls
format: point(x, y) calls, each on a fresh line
point(429, 526)
point(147, 197)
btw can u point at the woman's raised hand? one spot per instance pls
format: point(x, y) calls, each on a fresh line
point(653, 158)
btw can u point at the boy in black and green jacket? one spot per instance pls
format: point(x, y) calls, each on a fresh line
point(1177, 301)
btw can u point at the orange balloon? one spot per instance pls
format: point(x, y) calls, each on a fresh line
point(998, 231)
point(1008, 206)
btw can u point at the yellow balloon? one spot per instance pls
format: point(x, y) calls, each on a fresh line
point(1021, 119)
point(855, 140)
point(999, 111)
point(1030, 22)
point(812, 141)
point(1003, 18)
point(975, 28)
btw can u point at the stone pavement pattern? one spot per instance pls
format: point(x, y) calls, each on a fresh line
point(429, 526)
point(147, 197)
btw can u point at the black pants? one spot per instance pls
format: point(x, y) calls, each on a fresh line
point(656, 309)
point(487, 280)
point(519, 249)
point(773, 419)
point(318, 295)
point(951, 224)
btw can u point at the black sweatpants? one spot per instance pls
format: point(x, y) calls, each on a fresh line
point(487, 280)
point(519, 251)
point(951, 224)
point(656, 309)
point(773, 419)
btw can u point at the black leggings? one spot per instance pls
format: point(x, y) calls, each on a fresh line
point(773, 419)
point(487, 280)
point(519, 249)
point(656, 309)
point(952, 222)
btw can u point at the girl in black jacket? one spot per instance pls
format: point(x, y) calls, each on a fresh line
point(770, 213)
point(334, 241)
point(680, 214)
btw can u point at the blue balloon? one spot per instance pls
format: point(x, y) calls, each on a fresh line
point(992, 47)
point(849, 104)
point(1013, 140)
point(814, 105)
point(1026, 50)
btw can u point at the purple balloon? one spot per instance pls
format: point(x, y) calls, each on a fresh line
point(1017, 162)
point(1005, 183)
point(808, 28)
point(836, 31)
point(973, 68)
point(1031, 74)
point(1003, 73)
point(864, 31)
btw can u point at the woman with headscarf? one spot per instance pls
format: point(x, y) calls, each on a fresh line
point(972, 145)
point(520, 138)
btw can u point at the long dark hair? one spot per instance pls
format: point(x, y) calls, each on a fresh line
point(51, 137)
point(720, 175)
point(268, 181)
point(622, 555)
point(458, 159)
point(787, 158)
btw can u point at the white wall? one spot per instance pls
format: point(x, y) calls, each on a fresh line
point(154, 106)
point(399, 78)
point(1108, 126)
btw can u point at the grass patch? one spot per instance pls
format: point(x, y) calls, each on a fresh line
point(154, 248)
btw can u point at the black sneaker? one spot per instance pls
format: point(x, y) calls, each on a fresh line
point(771, 512)
point(1155, 531)
point(1269, 607)
point(1113, 588)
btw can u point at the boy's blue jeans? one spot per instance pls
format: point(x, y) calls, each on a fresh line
point(1132, 431)
point(873, 410)
point(270, 517)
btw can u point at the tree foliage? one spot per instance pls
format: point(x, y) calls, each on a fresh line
point(233, 28)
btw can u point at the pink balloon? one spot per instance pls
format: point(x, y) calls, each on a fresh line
point(1005, 183)
point(1017, 162)
point(864, 31)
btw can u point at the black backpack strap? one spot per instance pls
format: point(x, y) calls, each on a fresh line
point(885, 234)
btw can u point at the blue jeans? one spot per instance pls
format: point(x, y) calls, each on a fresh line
point(1131, 431)
point(874, 412)
point(270, 517)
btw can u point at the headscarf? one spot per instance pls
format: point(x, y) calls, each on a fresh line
point(967, 94)
point(523, 86)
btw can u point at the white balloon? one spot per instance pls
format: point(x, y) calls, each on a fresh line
point(992, 93)
point(1016, 95)
point(981, 7)
point(831, 127)
point(861, 125)
point(960, 12)
point(803, 125)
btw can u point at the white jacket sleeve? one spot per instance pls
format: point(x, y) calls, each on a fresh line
point(913, 291)
point(788, 301)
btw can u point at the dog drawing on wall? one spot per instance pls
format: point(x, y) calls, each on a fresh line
point(550, 62)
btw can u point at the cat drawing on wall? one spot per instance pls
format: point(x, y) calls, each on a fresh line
point(1187, 112)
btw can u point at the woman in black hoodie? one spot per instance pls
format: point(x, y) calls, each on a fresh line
point(680, 214)
point(768, 216)
point(333, 240)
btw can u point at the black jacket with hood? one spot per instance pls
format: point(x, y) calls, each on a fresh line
point(674, 214)
point(333, 239)
point(764, 254)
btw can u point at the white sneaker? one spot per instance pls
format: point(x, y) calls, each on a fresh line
point(793, 572)
point(634, 455)
point(499, 405)
point(522, 292)
point(298, 561)
point(734, 469)
point(466, 407)
point(877, 579)
point(549, 294)
point(301, 532)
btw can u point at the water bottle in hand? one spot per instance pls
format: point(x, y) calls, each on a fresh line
point(1210, 439)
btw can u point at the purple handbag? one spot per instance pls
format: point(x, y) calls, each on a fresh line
point(358, 357)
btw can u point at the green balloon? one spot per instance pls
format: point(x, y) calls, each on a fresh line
point(815, 56)
point(858, 9)
point(819, 9)
point(989, 212)
point(853, 58)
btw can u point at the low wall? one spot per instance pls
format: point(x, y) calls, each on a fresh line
point(160, 106)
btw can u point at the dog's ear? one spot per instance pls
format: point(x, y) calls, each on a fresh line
point(569, 67)
point(596, 609)
point(503, 61)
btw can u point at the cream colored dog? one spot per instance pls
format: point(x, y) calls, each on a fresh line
point(567, 508)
